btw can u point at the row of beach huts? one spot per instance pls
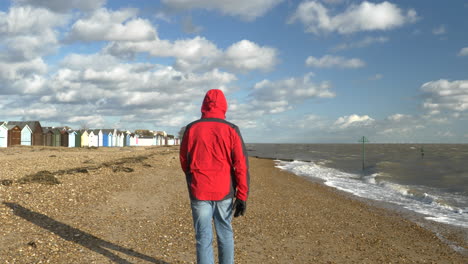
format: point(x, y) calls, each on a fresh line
point(31, 133)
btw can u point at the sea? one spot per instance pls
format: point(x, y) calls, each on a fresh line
point(428, 179)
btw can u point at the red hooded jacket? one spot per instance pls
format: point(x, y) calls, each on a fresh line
point(213, 154)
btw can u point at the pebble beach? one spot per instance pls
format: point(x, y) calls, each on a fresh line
point(130, 205)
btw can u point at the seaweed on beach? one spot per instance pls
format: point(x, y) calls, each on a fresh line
point(137, 159)
point(122, 168)
point(43, 177)
point(75, 170)
point(6, 182)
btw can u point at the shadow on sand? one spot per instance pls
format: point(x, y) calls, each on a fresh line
point(77, 236)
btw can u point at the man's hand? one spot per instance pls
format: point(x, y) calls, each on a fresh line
point(239, 207)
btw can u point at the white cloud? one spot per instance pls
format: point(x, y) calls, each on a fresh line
point(398, 117)
point(353, 121)
point(22, 77)
point(366, 16)
point(62, 6)
point(28, 20)
point(104, 25)
point(110, 89)
point(463, 52)
point(27, 33)
point(361, 43)
point(329, 61)
point(445, 95)
point(122, 86)
point(96, 61)
point(246, 9)
point(396, 131)
point(201, 54)
point(247, 55)
point(440, 30)
point(279, 96)
point(90, 121)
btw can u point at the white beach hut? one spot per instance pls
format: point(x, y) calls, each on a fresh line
point(121, 139)
point(114, 138)
point(170, 141)
point(71, 139)
point(3, 135)
point(93, 139)
point(26, 136)
point(133, 141)
point(100, 138)
point(145, 141)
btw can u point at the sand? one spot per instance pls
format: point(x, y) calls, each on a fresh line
point(130, 205)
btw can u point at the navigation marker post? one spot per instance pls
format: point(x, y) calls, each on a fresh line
point(363, 140)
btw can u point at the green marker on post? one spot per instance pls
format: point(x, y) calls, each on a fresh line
point(363, 140)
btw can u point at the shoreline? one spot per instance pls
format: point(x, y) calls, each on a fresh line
point(130, 205)
point(454, 236)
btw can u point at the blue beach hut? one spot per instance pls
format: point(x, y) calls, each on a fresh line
point(127, 139)
point(106, 135)
point(71, 139)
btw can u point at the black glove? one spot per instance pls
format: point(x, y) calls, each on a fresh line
point(239, 207)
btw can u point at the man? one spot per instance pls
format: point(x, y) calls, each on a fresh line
point(214, 159)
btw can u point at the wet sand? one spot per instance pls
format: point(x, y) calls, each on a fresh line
point(130, 205)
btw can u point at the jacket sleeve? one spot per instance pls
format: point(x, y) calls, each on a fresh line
point(241, 167)
point(184, 163)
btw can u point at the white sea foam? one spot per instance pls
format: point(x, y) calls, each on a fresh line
point(437, 206)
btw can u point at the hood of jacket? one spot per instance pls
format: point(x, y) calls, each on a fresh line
point(214, 105)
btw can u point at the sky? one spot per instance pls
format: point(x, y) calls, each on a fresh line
point(325, 71)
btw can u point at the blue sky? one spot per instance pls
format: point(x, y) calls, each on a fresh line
point(293, 71)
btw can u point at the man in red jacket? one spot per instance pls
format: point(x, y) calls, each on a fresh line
point(214, 159)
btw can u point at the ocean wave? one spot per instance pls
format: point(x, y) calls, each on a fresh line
point(436, 205)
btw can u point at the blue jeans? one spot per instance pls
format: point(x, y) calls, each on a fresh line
point(203, 213)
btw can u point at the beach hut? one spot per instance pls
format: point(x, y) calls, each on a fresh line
point(64, 138)
point(77, 139)
point(122, 139)
point(57, 138)
point(3, 135)
point(84, 138)
point(114, 138)
point(127, 139)
point(100, 135)
point(105, 137)
point(14, 135)
point(37, 132)
point(161, 138)
point(26, 136)
point(93, 139)
point(145, 141)
point(48, 136)
point(117, 138)
point(71, 139)
point(133, 141)
point(170, 141)
point(110, 138)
